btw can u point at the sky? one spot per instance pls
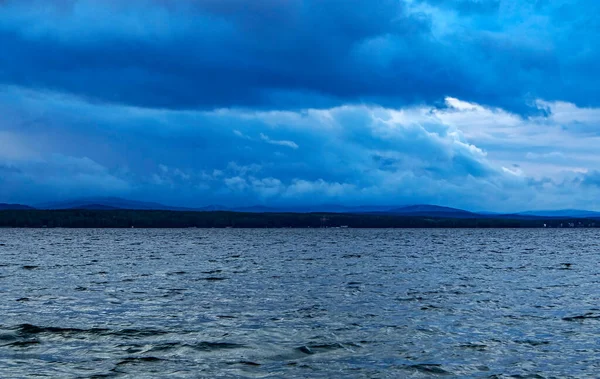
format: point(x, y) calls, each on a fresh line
point(477, 104)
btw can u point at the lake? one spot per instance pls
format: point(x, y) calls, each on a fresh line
point(300, 303)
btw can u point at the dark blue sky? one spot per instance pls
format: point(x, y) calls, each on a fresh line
point(482, 104)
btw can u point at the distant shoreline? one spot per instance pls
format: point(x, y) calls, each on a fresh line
point(224, 219)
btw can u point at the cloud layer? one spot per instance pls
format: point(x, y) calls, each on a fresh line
point(303, 53)
point(482, 104)
point(463, 155)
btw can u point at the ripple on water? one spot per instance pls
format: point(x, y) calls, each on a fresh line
point(299, 303)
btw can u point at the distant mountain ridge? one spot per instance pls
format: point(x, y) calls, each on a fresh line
point(425, 210)
point(5, 206)
point(95, 207)
point(562, 213)
point(416, 210)
point(119, 203)
point(109, 202)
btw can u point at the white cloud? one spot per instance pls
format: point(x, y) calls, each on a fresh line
point(290, 144)
point(568, 113)
point(513, 171)
point(236, 183)
point(550, 155)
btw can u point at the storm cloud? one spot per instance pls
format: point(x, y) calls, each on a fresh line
point(470, 103)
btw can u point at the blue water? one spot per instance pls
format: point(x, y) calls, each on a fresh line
point(314, 303)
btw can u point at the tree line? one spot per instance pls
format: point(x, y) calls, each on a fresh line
point(220, 219)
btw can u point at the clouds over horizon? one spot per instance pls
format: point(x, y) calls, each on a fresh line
point(462, 155)
point(482, 104)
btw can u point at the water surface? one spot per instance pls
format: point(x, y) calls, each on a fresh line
point(289, 303)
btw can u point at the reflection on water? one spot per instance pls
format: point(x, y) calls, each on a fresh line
point(299, 303)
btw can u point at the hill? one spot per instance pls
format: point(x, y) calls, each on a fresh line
point(562, 213)
point(97, 207)
point(425, 210)
point(5, 206)
point(418, 210)
point(108, 203)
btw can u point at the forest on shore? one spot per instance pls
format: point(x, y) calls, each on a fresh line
point(223, 219)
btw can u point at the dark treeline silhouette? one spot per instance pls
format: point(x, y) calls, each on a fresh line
point(174, 219)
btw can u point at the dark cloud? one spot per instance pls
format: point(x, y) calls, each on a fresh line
point(300, 53)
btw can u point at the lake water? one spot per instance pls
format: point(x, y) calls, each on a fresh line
point(314, 303)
